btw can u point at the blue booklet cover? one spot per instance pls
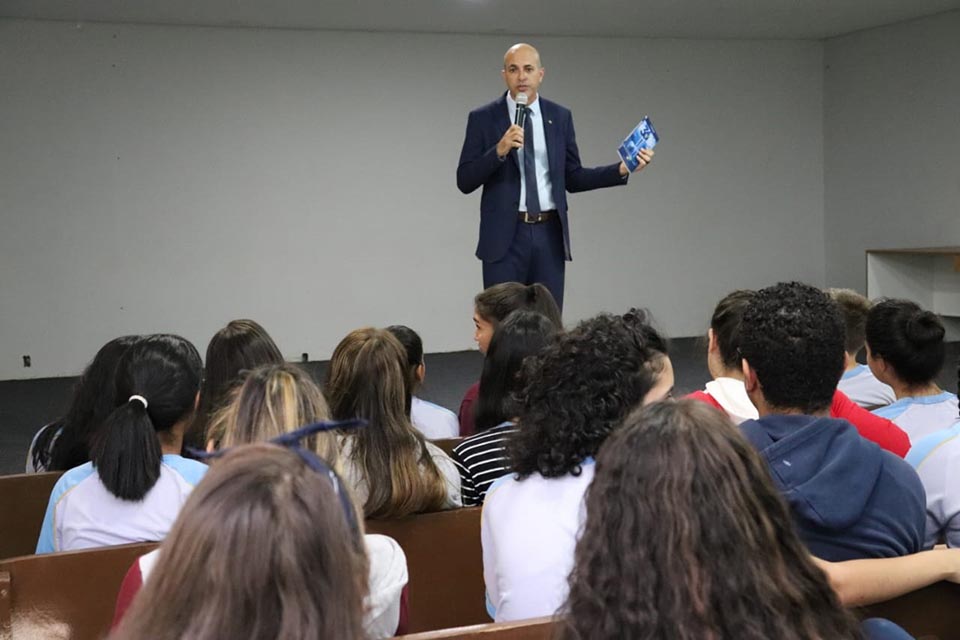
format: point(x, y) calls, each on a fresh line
point(644, 136)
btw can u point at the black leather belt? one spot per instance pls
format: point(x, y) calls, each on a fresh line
point(537, 218)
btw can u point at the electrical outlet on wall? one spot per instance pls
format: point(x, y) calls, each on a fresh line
point(26, 361)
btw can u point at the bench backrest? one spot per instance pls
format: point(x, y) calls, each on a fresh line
point(23, 501)
point(447, 444)
point(931, 613)
point(536, 629)
point(446, 567)
point(74, 591)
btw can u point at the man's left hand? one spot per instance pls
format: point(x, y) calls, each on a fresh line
point(644, 158)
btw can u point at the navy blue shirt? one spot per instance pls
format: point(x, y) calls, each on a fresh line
point(849, 498)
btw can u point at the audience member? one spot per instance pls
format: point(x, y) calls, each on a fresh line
point(575, 393)
point(905, 350)
point(65, 443)
point(432, 420)
point(491, 307)
point(936, 458)
point(391, 469)
point(857, 381)
point(136, 482)
point(727, 393)
point(270, 401)
point(242, 345)
point(482, 458)
point(267, 547)
point(686, 537)
point(849, 498)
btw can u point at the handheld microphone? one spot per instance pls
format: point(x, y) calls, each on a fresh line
point(521, 115)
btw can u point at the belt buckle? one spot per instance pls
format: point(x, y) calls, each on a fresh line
point(528, 220)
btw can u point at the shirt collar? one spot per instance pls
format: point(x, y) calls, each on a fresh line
point(512, 106)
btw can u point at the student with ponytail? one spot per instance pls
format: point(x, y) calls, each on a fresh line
point(905, 350)
point(136, 481)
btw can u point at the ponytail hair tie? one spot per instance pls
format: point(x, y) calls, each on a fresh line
point(139, 399)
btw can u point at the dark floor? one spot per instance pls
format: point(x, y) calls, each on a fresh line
point(26, 405)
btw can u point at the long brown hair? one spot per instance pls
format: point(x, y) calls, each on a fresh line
point(263, 551)
point(367, 380)
point(687, 538)
point(271, 401)
point(241, 345)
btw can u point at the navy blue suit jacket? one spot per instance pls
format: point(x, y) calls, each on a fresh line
point(500, 201)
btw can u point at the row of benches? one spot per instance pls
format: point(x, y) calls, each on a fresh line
point(23, 501)
point(75, 591)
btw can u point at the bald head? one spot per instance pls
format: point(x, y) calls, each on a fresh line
point(521, 47)
point(522, 71)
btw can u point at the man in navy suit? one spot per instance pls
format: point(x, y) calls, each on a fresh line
point(525, 173)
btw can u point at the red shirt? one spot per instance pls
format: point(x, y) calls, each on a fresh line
point(872, 427)
point(466, 410)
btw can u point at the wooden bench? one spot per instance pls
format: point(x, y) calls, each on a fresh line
point(535, 629)
point(70, 594)
point(931, 613)
point(447, 444)
point(446, 568)
point(23, 502)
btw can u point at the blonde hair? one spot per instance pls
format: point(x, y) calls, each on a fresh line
point(367, 379)
point(271, 401)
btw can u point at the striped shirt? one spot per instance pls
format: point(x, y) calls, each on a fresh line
point(481, 459)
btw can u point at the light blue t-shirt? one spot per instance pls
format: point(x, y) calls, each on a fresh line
point(83, 514)
point(921, 416)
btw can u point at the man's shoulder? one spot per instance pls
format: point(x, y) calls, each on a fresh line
point(554, 109)
point(491, 107)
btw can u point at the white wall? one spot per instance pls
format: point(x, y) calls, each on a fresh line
point(172, 178)
point(892, 138)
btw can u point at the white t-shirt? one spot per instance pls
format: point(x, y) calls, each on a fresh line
point(83, 514)
point(387, 577)
point(937, 461)
point(529, 530)
point(433, 421)
point(922, 416)
point(862, 387)
point(731, 394)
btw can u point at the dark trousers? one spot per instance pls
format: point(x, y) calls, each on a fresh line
point(536, 255)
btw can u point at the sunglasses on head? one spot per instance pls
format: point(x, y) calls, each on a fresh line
point(292, 441)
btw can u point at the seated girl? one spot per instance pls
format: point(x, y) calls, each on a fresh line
point(268, 546)
point(432, 420)
point(272, 401)
point(905, 350)
point(390, 468)
point(576, 392)
point(136, 481)
point(482, 458)
point(490, 307)
point(65, 443)
point(687, 537)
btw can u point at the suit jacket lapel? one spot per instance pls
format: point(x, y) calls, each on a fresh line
point(550, 133)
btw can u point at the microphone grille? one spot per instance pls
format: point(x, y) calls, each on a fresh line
point(522, 99)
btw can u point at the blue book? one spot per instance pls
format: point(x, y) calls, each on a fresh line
point(644, 136)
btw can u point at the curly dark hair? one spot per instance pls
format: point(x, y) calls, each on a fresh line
point(908, 338)
point(687, 538)
point(579, 388)
point(792, 336)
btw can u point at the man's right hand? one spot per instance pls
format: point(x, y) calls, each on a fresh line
point(512, 139)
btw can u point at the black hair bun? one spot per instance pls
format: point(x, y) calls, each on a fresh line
point(924, 327)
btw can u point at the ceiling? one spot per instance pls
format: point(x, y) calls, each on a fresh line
point(740, 19)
